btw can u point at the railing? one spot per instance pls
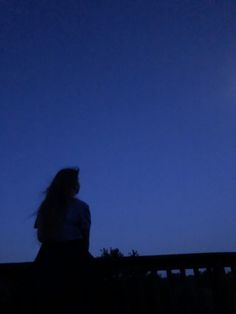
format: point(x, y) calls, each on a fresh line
point(211, 273)
point(181, 283)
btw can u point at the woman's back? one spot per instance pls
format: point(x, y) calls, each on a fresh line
point(63, 228)
point(77, 220)
point(75, 225)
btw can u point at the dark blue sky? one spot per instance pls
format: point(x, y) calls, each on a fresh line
point(141, 96)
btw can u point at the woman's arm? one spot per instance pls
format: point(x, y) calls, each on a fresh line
point(86, 224)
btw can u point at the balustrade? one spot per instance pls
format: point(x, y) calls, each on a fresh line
point(204, 273)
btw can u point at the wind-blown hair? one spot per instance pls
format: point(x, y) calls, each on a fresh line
point(51, 212)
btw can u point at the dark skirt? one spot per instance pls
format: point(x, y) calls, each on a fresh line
point(65, 274)
point(68, 253)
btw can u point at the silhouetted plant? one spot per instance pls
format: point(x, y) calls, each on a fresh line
point(116, 253)
point(133, 253)
point(111, 253)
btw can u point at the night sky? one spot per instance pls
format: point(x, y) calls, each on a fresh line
point(140, 95)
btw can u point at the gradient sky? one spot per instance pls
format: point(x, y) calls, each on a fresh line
point(141, 96)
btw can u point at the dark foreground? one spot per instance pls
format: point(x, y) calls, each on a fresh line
point(185, 283)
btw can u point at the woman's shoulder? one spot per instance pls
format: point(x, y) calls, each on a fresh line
point(79, 203)
point(82, 209)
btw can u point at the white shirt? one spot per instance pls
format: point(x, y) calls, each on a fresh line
point(77, 221)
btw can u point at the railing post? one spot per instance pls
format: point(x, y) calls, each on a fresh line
point(169, 274)
point(218, 287)
point(183, 273)
point(233, 270)
point(196, 273)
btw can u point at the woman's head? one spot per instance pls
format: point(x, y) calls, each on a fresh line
point(65, 183)
point(51, 213)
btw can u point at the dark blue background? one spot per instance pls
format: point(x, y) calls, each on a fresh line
point(141, 96)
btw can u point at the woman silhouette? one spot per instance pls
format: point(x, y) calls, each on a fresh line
point(63, 227)
point(63, 221)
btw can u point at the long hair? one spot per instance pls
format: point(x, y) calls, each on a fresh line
point(52, 210)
